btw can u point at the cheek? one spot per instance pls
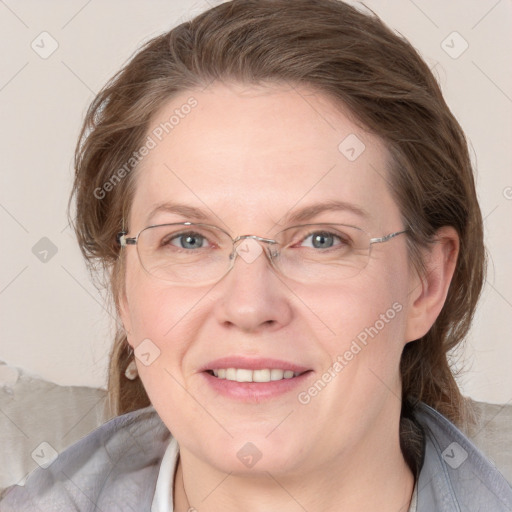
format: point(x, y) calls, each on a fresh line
point(160, 313)
point(368, 317)
point(365, 309)
point(363, 345)
point(165, 323)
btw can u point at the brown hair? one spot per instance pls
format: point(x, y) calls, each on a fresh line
point(354, 59)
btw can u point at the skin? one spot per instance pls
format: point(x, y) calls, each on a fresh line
point(248, 155)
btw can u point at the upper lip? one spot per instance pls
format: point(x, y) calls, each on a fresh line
point(252, 363)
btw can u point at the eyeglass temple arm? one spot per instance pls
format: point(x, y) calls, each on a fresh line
point(123, 241)
point(386, 237)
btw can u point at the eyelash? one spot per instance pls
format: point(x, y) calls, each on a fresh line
point(182, 235)
point(327, 233)
point(195, 234)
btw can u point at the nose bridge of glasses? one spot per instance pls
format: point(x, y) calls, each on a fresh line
point(260, 240)
point(254, 237)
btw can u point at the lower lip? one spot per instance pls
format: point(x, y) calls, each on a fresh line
point(255, 391)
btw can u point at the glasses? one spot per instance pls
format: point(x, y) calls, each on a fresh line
point(189, 253)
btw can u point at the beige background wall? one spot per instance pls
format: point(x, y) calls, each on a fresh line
point(53, 319)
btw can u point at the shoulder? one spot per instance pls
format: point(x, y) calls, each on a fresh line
point(455, 475)
point(113, 468)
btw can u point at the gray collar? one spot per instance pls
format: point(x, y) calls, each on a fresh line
point(115, 468)
point(456, 476)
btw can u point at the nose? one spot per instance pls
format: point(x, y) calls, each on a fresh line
point(252, 296)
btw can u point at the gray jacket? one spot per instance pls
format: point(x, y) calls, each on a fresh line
point(115, 468)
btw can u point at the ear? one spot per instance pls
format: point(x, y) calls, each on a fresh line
point(428, 292)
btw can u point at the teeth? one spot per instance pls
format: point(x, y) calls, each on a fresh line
point(261, 376)
point(244, 375)
point(276, 374)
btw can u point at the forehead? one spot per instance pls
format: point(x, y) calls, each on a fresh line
point(254, 154)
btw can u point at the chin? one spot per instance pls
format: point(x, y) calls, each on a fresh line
point(253, 455)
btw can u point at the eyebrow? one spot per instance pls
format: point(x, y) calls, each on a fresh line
point(308, 212)
point(304, 214)
point(180, 209)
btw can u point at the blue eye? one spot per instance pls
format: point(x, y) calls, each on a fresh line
point(323, 240)
point(187, 241)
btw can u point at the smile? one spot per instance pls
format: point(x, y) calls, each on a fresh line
point(246, 375)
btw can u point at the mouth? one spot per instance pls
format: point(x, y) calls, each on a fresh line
point(248, 375)
point(254, 380)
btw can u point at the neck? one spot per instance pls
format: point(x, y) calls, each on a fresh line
point(366, 480)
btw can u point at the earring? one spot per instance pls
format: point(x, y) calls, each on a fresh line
point(131, 372)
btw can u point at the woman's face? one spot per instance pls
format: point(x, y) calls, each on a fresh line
point(248, 158)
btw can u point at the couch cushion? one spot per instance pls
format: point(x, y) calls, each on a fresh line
point(40, 419)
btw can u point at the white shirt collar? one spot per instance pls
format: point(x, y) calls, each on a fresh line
point(414, 500)
point(163, 499)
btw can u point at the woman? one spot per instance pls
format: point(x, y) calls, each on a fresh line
point(286, 211)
